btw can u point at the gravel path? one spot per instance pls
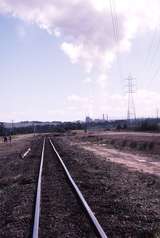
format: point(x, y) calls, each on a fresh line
point(137, 162)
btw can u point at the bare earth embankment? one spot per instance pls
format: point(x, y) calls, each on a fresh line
point(118, 174)
point(122, 187)
point(136, 151)
point(18, 179)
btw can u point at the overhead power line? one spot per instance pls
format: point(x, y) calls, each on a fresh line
point(151, 56)
point(149, 51)
point(115, 24)
point(156, 50)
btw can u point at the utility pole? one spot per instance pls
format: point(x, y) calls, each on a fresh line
point(157, 113)
point(107, 117)
point(12, 127)
point(34, 128)
point(131, 111)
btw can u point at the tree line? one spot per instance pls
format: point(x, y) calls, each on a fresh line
point(120, 125)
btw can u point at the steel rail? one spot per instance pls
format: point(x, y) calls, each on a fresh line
point(38, 197)
point(99, 230)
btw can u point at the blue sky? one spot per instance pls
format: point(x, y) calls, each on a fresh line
point(36, 77)
point(45, 76)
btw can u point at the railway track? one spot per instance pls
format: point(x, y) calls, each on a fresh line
point(60, 208)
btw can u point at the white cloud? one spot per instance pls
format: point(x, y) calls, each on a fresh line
point(86, 32)
point(85, 26)
point(57, 32)
point(148, 100)
point(88, 80)
point(102, 81)
point(76, 98)
point(12, 115)
point(80, 104)
point(115, 105)
point(72, 51)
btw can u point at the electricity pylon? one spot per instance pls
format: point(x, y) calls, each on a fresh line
point(131, 111)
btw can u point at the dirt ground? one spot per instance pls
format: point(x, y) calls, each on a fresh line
point(137, 151)
point(18, 144)
point(125, 198)
point(18, 179)
point(61, 214)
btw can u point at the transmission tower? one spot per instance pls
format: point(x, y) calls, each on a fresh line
point(131, 111)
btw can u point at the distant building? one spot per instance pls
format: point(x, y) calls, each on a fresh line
point(98, 120)
point(88, 119)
